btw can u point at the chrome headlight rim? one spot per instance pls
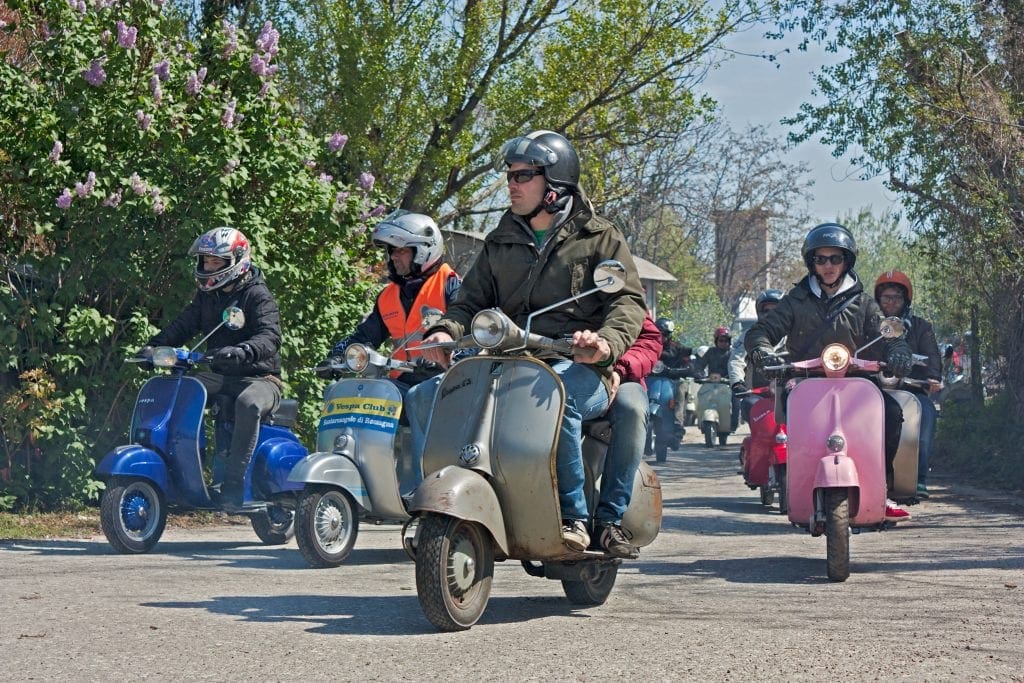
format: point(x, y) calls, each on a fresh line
point(835, 357)
point(357, 357)
point(489, 329)
point(165, 357)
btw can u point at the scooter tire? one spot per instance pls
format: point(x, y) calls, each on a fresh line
point(326, 525)
point(133, 515)
point(837, 534)
point(767, 496)
point(723, 438)
point(710, 431)
point(275, 525)
point(596, 586)
point(454, 569)
point(780, 479)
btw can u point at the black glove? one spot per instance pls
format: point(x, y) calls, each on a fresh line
point(679, 373)
point(227, 356)
point(763, 356)
point(899, 361)
point(145, 355)
point(739, 388)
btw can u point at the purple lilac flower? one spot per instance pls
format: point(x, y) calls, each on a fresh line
point(267, 40)
point(64, 200)
point(263, 89)
point(193, 85)
point(325, 178)
point(44, 31)
point(231, 166)
point(113, 200)
point(56, 151)
point(230, 39)
point(309, 163)
point(78, 5)
point(155, 90)
point(201, 74)
point(366, 181)
point(95, 75)
point(258, 65)
point(143, 119)
point(126, 35)
point(138, 185)
point(337, 142)
point(228, 118)
point(163, 70)
point(86, 188)
point(159, 205)
point(105, 36)
point(340, 197)
point(378, 211)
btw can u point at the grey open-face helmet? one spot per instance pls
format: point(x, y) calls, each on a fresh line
point(419, 232)
point(547, 150)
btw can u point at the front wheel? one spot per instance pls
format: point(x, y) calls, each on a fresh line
point(275, 525)
point(710, 430)
point(597, 583)
point(326, 525)
point(723, 438)
point(132, 515)
point(454, 568)
point(780, 481)
point(837, 533)
point(767, 496)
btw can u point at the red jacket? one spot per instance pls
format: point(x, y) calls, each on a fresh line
point(639, 359)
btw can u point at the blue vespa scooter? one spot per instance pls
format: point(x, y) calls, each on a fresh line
point(163, 467)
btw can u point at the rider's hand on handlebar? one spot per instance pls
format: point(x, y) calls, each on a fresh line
point(230, 355)
point(589, 347)
point(899, 362)
point(145, 355)
point(438, 355)
point(739, 388)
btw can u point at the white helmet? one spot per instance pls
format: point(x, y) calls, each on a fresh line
point(226, 243)
point(406, 229)
point(701, 350)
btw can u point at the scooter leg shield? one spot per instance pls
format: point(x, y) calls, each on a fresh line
point(464, 494)
point(642, 519)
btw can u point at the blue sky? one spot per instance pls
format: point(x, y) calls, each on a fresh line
point(751, 90)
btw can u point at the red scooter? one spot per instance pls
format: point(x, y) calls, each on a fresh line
point(763, 453)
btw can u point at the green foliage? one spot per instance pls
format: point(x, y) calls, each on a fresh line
point(696, 320)
point(980, 443)
point(116, 151)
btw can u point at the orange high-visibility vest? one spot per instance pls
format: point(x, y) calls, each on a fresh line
point(401, 325)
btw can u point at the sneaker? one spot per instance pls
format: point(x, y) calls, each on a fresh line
point(894, 513)
point(922, 492)
point(615, 542)
point(574, 533)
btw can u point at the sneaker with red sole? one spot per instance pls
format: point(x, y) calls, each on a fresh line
point(894, 513)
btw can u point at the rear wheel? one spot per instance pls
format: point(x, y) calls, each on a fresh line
point(837, 533)
point(767, 495)
point(326, 525)
point(454, 568)
point(132, 515)
point(723, 438)
point(599, 578)
point(275, 526)
point(780, 480)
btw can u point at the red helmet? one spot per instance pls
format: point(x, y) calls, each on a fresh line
point(894, 277)
point(722, 331)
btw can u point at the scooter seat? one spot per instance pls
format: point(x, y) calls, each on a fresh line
point(285, 415)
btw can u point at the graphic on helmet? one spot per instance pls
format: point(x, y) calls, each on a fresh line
point(226, 243)
point(894, 278)
point(414, 230)
point(546, 149)
point(829, 235)
point(665, 325)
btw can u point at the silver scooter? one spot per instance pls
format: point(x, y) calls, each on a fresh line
point(491, 492)
point(363, 462)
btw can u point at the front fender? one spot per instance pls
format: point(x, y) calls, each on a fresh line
point(134, 460)
point(464, 494)
point(334, 470)
point(836, 471)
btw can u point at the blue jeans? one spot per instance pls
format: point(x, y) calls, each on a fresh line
point(628, 418)
point(924, 451)
point(585, 399)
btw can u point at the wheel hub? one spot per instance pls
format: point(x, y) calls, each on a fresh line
point(462, 565)
point(329, 523)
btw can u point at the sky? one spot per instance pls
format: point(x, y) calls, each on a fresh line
point(754, 91)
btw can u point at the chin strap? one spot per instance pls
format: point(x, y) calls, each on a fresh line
point(831, 284)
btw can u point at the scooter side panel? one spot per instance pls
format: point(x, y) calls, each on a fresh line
point(851, 407)
point(757, 453)
point(134, 461)
point(642, 519)
point(277, 452)
point(334, 470)
point(905, 463)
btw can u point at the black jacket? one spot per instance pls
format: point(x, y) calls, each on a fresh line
point(801, 315)
point(261, 335)
point(921, 338)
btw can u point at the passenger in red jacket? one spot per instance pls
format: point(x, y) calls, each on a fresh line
point(628, 418)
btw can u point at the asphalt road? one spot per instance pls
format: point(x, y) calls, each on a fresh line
point(728, 592)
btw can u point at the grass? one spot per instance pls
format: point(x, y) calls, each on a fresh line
point(86, 524)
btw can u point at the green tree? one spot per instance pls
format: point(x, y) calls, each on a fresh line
point(432, 89)
point(118, 146)
point(932, 94)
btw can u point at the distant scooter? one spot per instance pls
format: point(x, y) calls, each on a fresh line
point(763, 453)
point(163, 466)
point(714, 409)
point(663, 432)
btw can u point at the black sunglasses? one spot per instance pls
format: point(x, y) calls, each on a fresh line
point(523, 175)
point(834, 259)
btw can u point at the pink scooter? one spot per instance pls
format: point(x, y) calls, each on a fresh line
point(836, 460)
point(763, 453)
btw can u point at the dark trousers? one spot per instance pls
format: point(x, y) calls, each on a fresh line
point(254, 398)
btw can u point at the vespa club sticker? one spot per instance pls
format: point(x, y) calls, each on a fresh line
point(361, 412)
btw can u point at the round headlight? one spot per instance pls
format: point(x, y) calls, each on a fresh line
point(165, 357)
point(489, 328)
point(357, 357)
point(835, 357)
point(835, 443)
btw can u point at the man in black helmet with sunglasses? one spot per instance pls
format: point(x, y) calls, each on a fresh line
point(830, 306)
point(543, 251)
